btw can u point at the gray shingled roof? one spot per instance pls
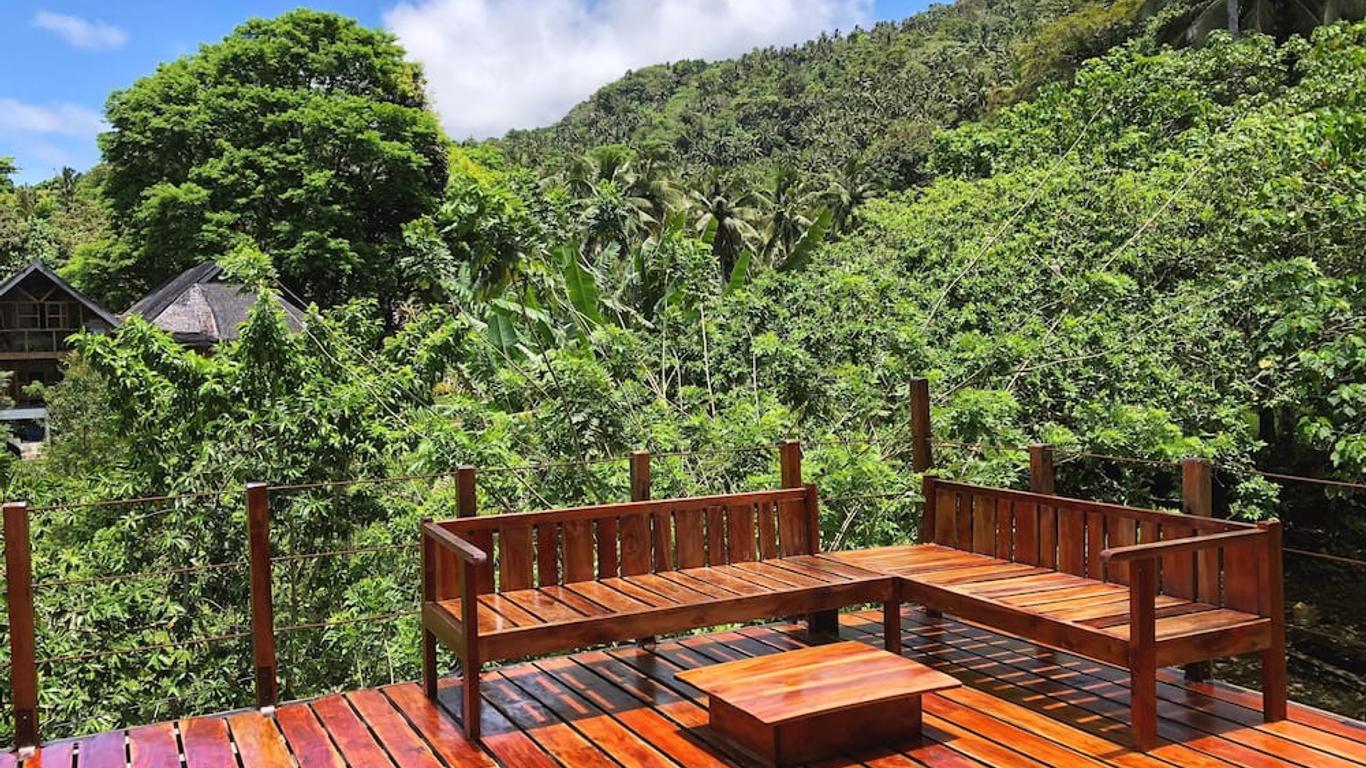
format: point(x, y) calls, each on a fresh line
point(198, 309)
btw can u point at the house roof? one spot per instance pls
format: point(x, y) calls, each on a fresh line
point(198, 308)
point(38, 266)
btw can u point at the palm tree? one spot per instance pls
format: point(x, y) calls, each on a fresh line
point(845, 192)
point(624, 197)
point(729, 215)
point(788, 202)
point(1279, 18)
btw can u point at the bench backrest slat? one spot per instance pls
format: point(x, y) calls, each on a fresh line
point(578, 550)
point(630, 539)
point(635, 543)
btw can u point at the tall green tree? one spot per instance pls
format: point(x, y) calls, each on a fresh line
point(306, 134)
point(726, 216)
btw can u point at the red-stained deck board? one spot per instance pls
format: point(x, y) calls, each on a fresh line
point(153, 746)
point(404, 746)
point(1020, 705)
point(206, 743)
point(306, 737)
point(441, 732)
point(353, 739)
point(258, 741)
point(58, 755)
point(101, 751)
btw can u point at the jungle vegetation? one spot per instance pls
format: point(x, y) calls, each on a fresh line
point(1152, 250)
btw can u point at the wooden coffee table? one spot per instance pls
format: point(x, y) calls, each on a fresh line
point(806, 704)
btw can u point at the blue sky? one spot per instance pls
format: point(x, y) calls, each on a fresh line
point(63, 58)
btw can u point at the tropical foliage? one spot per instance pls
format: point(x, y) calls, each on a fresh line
point(1157, 256)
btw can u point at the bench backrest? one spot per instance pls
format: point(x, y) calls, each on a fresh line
point(559, 546)
point(1068, 535)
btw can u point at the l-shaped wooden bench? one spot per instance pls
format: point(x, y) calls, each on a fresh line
point(1136, 588)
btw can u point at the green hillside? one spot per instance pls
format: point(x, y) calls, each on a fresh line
point(877, 93)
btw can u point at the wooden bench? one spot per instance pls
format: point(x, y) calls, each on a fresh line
point(513, 585)
point(1137, 588)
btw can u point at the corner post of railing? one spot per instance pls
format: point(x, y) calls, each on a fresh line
point(23, 666)
point(466, 499)
point(262, 596)
point(467, 505)
point(790, 475)
point(640, 475)
point(921, 456)
point(639, 471)
point(1197, 498)
point(790, 463)
point(1041, 468)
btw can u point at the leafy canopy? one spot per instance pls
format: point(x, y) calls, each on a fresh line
point(306, 134)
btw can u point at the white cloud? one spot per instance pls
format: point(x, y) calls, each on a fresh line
point(493, 65)
point(81, 33)
point(66, 119)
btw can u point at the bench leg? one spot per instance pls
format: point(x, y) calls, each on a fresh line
point(823, 623)
point(934, 614)
point(1144, 709)
point(891, 626)
point(429, 674)
point(470, 700)
point(1143, 706)
point(1273, 684)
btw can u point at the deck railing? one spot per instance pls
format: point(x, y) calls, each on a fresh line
point(256, 582)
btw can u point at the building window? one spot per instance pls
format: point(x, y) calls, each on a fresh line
point(56, 314)
point(28, 315)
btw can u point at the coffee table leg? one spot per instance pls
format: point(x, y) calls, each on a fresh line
point(891, 626)
point(914, 716)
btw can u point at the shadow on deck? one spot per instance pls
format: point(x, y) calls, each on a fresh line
point(1021, 705)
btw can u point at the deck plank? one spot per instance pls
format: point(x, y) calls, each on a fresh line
point(58, 755)
point(206, 743)
point(439, 731)
point(258, 741)
point(306, 737)
point(1021, 705)
point(103, 750)
point(404, 746)
point(153, 746)
point(352, 738)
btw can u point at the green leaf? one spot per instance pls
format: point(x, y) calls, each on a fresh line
point(501, 332)
point(811, 239)
point(582, 288)
point(739, 274)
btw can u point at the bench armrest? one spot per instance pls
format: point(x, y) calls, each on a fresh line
point(462, 549)
point(1157, 549)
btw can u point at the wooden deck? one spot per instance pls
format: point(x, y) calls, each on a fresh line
point(1020, 705)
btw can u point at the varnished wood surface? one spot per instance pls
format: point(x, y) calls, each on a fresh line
point(1020, 705)
point(1090, 605)
point(821, 679)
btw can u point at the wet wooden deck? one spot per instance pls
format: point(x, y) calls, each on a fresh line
point(1021, 705)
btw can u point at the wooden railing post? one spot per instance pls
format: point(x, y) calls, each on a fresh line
point(23, 667)
point(1197, 498)
point(790, 473)
point(262, 595)
point(640, 491)
point(790, 463)
point(467, 505)
point(1041, 468)
point(922, 456)
point(640, 475)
